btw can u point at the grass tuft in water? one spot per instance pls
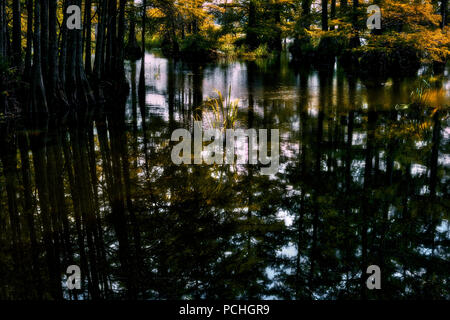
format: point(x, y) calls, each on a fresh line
point(223, 111)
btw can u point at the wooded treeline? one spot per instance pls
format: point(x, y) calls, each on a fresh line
point(46, 67)
point(58, 66)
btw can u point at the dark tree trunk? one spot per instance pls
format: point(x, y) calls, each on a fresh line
point(55, 93)
point(120, 42)
point(45, 40)
point(142, 89)
point(99, 67)
point(77, 86)
point(38, 97)
point(87, 37)
point(111, 44)
point(325, 15)
point(28, 57)
point(85, 93)
point(333, 12)
point(278, 41)
point(17, 34)
point(355, 41)
point(444, 12)
point(306, 13)
point(252, 36)
point(63, 49)
point(355, 13)
point(133, 50)
point(3, 30)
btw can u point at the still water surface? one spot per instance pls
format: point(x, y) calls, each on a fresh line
point(361, 182)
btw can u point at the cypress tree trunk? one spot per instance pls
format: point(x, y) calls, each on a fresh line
point(444, 9)
point(277, 44)
point(7, 37)
point(17, 34)
point(28, 57)
point(85, 95)
point(355, 41)
point(333, 12)
point(100, 41)
point(38, 97)
point(111, 45)
point(144, 15)
point(87, 36)
point(3, 56)
point(54, 92)
point(252, 37)
point(141, 87)
point(45, 40)
point(132, 50)
point(77, 85)
point(306, 12)
point(355, 13)
point(63, 49)
point(325, 15)
point(71, 78)
point(120, 41)
point(2, 30)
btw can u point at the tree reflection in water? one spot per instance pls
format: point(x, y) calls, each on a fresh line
point(361, 182)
